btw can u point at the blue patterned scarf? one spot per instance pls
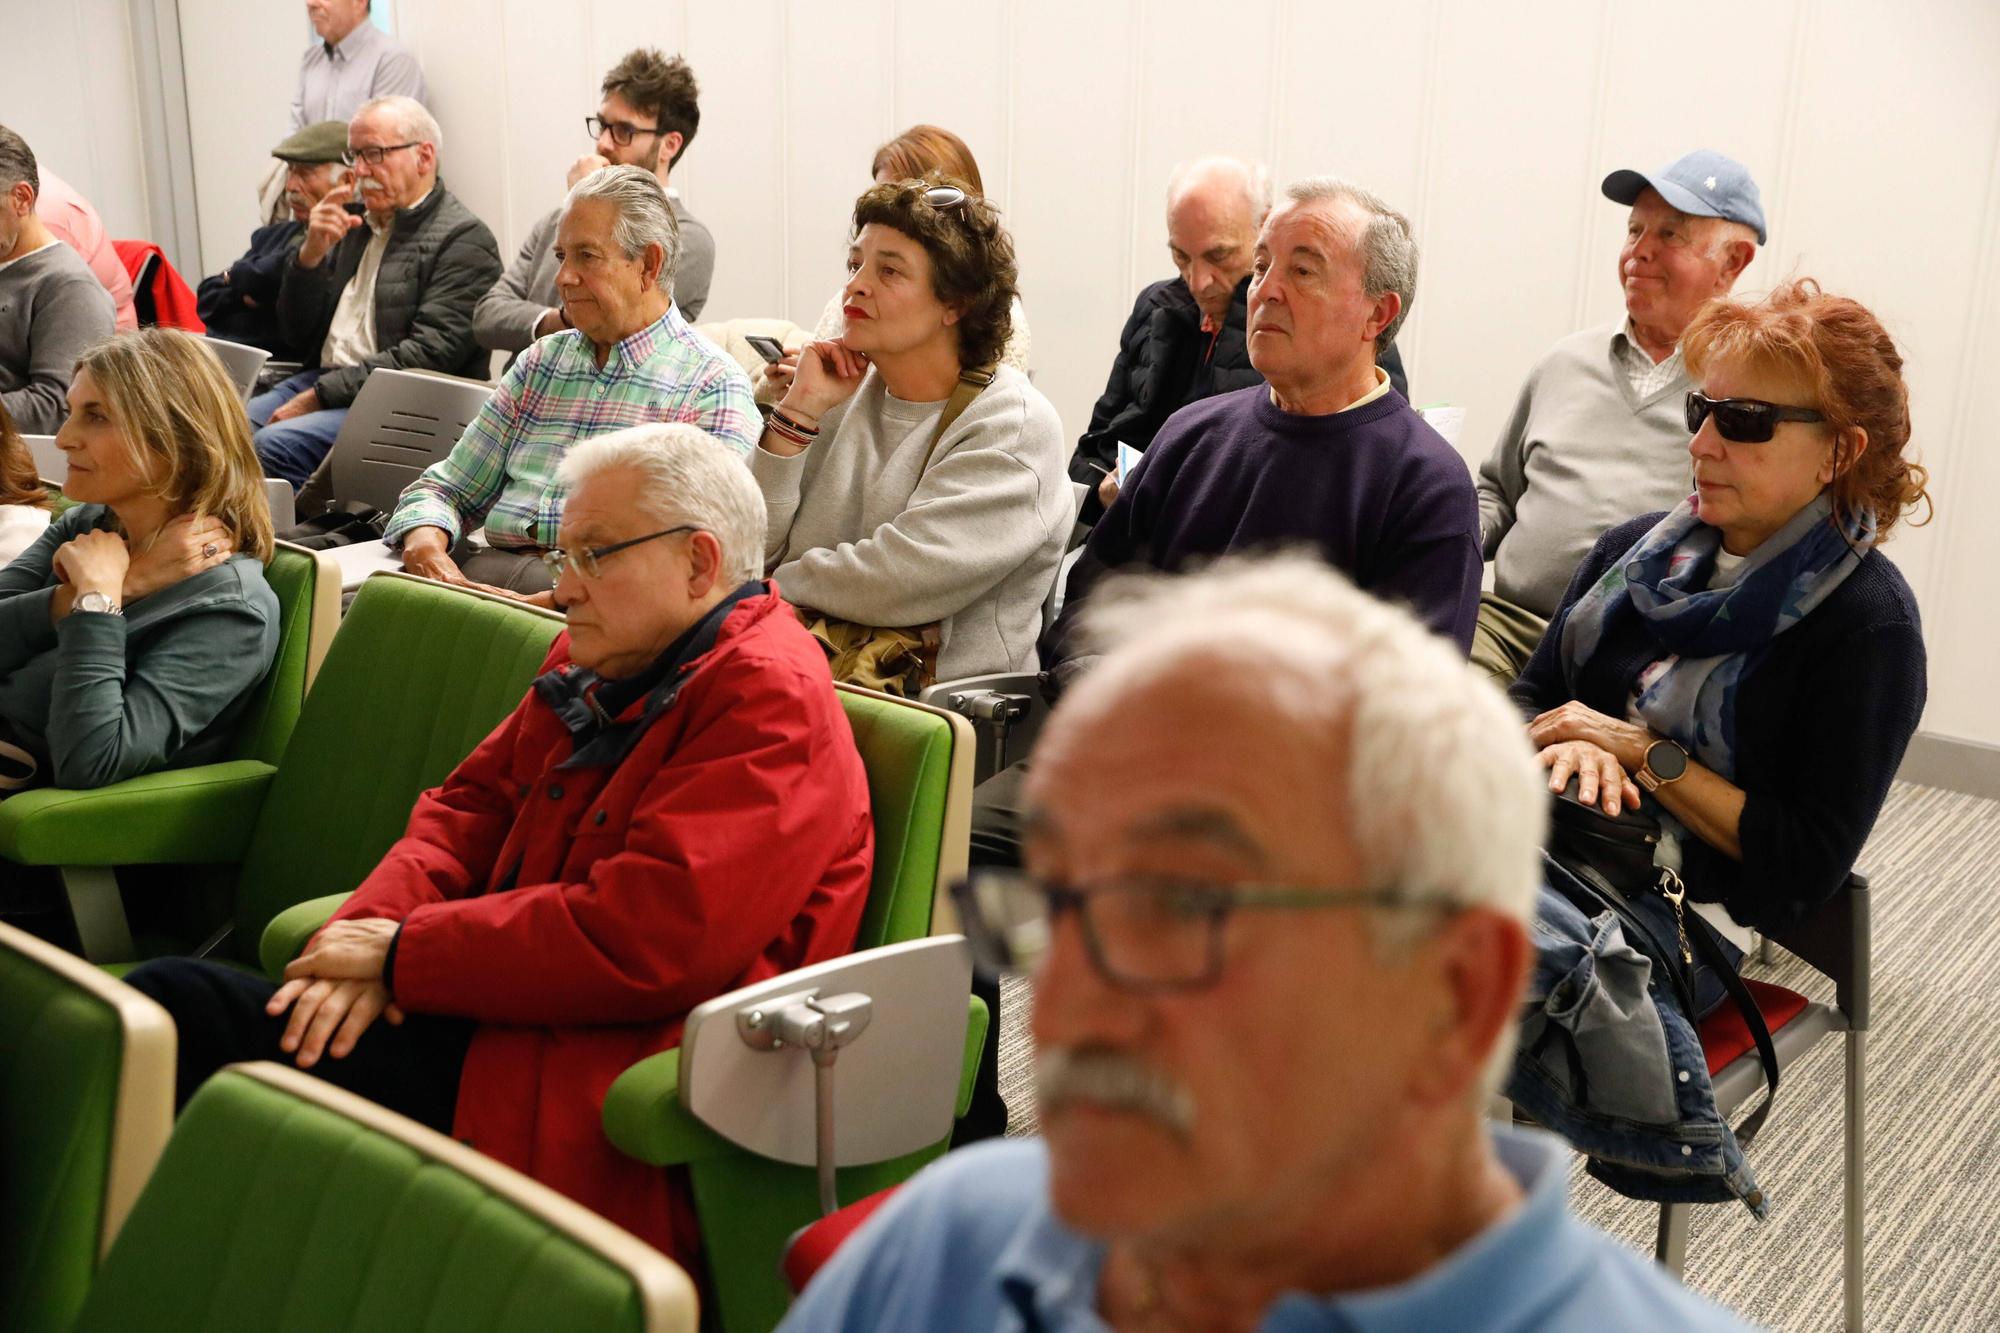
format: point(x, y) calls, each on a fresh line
point(1716, 635)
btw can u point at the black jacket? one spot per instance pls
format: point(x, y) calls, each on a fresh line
point(241, 302)
point(1164, 363)
point(1822, 720)
point(440, 261)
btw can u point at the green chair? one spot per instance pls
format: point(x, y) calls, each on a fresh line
point(86, 1101)
point(920, 764)
point(180, 816)
point(284, 1203)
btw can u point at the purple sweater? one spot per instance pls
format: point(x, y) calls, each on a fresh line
point(1380, 494)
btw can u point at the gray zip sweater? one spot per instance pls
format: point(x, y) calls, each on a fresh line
point(51, 308)
point(1579, 456)
point(854, 533)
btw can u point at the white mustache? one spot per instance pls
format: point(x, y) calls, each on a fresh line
point(369, 185)
point(1108, 1079)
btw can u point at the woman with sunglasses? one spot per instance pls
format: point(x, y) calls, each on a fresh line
point(1749, 668)
point(904, 488)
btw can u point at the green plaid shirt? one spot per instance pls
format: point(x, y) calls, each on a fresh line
point(502, 471)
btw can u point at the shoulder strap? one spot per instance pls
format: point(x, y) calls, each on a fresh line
point(970, 383)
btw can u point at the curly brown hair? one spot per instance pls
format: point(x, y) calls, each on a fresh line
point(923, 149)
point(662, 87)
point(972, 258)
point(1840, 353)
point(20, 482)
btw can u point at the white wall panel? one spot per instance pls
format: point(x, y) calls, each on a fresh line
point(1874, 130)
point(52, 50)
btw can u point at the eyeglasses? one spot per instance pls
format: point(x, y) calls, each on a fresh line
point(373, 156)
point(1141, 934)
point(590, 558)
point(621, 133)
point(1743, 420)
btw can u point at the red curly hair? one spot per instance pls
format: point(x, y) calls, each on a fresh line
point(20, 483)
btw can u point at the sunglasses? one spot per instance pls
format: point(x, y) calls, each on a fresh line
point(942, 197)
point(1743, 420)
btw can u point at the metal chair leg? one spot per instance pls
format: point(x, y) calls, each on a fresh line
point(1671, 1247)
point(99, 913)
point(1854, 1207)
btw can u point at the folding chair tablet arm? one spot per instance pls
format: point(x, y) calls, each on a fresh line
point(185, 816)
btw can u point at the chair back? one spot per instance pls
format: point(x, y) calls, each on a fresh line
point(86, 1102)
point(400, 424)
point(51, 462)
point(284, 1202)
point(919, 763)
point(240, 361)
point(308, 587)
point(418, 674)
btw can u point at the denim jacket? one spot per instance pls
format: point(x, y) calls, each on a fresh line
point(1609, 1060)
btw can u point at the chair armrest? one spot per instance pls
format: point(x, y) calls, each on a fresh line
point(289, 930)
point(1836, 939)
point(183, 816)
point(645, 1119)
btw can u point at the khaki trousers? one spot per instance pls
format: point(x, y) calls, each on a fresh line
point(1505, 638)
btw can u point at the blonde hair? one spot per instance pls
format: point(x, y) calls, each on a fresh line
point(186, 429)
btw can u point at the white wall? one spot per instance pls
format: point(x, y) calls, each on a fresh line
point(1873, 127)
point(49, 51)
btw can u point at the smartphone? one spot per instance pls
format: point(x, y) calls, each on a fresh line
point(770, 349)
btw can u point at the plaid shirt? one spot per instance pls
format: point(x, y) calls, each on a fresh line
point(503, 469)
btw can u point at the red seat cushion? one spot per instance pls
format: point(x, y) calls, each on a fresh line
point(1724, 1034)
point(815, 1244)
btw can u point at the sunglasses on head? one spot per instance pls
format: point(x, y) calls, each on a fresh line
point(942, 197)
point(1743, 420)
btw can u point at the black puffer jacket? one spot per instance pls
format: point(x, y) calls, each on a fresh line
point(1164, 363)
point(440, 261)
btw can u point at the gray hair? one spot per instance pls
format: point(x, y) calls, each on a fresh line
point(1714, 234)
point(1442, 792)
point(1254, 178)
point(1388, 248)
point(644, 214)
point(686, 476)
point(410, 117)
point(17, 162)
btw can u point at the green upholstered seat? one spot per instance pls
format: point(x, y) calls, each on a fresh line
point(919, 762)
point(86, 1099)
point(180, 816)
point(284, 1203)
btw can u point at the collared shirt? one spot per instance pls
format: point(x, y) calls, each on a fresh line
point(503, 470)
point(350, 338)
point(1381, 387)
point(972, 1244)
point(334, 80)
point(1646, 376)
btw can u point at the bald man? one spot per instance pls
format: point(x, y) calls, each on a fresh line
point(1185, 339)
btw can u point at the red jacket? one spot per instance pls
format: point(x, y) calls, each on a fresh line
point(171, 300)
point(578, 914)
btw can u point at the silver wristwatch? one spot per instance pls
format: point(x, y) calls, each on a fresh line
point(98, 603)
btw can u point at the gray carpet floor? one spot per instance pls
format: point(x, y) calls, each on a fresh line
point(1933, 1101)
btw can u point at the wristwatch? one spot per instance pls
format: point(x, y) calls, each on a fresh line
point(97, 603)
point(1666, 763)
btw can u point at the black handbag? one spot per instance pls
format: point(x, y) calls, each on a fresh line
point(1611, 858)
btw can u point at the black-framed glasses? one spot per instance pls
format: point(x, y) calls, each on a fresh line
point(1142, 934)
point(1743, 420)
point(590, 558)
point(621, 133)
point(373, 155)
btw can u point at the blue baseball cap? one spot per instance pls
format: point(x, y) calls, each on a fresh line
point(1705, 183)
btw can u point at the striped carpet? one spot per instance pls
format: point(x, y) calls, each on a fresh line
point(1933, 1134)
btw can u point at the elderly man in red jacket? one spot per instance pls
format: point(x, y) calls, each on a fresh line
point(676, 809)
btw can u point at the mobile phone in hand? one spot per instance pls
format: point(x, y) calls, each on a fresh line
point(770, 349)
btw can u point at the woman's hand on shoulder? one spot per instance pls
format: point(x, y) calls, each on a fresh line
point(1601, 779)
point(828, 374)
point(182, 548)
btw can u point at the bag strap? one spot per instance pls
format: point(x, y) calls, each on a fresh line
point(970, 384)
point(1702, 936)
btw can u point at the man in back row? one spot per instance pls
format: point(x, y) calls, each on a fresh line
point(51, 307)
point(241, 302)
point(1187, 337)
point(647, 119)
point(394, 291)
point(1283, 849)
point(1599, 432)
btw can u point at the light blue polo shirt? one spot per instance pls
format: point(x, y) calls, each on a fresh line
point(970, 1244)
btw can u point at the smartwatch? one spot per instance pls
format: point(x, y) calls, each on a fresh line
point(1666, 763)
point(97, 603)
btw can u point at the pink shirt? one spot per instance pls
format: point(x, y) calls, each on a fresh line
point(74, 222)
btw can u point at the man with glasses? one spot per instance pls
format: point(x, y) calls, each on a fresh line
point(387, 280)
point(1597, 433)
point(675, 809)
point(1282, 848)
point(647, 119)
point(628, 359)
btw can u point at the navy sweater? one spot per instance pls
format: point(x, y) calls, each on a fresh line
point(1375, 490)
point(1823, 718)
